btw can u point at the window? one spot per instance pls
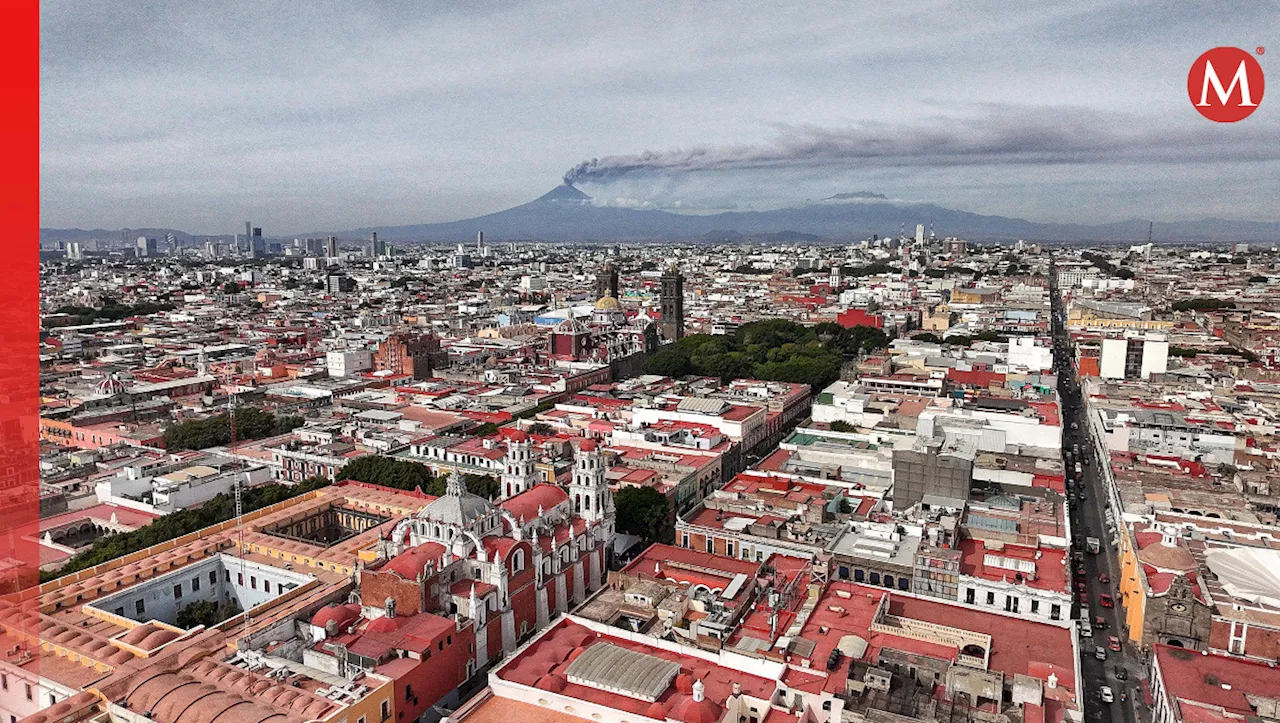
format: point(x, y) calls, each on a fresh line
point(991, 598)
point(728, 548)
point(140, 607)
point(4, 681)
point(968, 596)
point(240, 579)
point(228, 576)
point(253, 582)
point(386, 709)
point(177, 591)
point(711, 545)
point(1035, 607)
point(29, 697)
point(1055, 612)
point(195, 584)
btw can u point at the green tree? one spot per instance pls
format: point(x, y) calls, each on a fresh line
point(200, 612)
point(669, 362)
point(640, 511)
point(251, 423)
point(483, 430)
point(219, 509)
point(542, 429)
point(842, 426)
point(401, 474)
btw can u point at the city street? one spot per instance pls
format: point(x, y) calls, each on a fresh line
point(1089, 518)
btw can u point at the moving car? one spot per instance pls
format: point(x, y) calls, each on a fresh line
point(1099, 622)
point(1104, 578)
point(1121, 673)
point(1114, 643)
point(1106, 695)
point(1106, 601)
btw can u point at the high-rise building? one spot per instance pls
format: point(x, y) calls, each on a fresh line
point(147, 247)
point(375, 248)
point(671, 304)
point(920, 233)
point(331, 247)
point(607, 282)
point(74, 252)
point(257, 249)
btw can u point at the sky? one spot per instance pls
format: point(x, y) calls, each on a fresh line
point(336, 115)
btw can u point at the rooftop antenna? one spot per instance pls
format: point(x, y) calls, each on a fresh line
point(1150, 227)
point(232, 400)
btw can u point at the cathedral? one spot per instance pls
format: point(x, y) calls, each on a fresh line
point(508, 566)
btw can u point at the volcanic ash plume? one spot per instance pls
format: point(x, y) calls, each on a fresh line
point(1001, 136)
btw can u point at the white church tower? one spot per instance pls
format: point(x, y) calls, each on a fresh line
point(589, 489)
point(518, 471)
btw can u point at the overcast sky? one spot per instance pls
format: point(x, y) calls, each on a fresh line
point(306, 116)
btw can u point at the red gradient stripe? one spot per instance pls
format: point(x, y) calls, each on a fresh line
point(20, 319)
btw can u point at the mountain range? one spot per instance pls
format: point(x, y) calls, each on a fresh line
point(567, 214)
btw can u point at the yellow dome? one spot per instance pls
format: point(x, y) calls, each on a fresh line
point(608, 303)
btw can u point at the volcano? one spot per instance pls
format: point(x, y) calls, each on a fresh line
point(565, 213)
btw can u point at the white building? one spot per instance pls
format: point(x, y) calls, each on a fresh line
point(347, 362)
point(1134, 357)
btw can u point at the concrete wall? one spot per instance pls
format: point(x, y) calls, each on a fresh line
point(214, 579)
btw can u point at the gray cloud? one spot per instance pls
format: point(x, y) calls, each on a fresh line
point(333, 114)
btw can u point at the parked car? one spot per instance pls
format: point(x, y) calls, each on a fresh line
point(1105, 693)
point(1100, 653)
point(1106, 601)
point(1114, 643)
point(1083, 597)
point(1104, 578)
point(1085, 630)
point(1080, 587)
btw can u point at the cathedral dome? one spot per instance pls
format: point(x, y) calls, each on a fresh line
point(457, 506)
point(608, 303)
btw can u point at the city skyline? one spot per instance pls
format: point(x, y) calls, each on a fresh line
point(191, 118)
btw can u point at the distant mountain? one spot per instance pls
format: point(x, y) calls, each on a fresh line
point(567, 214)
point(102, 234)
